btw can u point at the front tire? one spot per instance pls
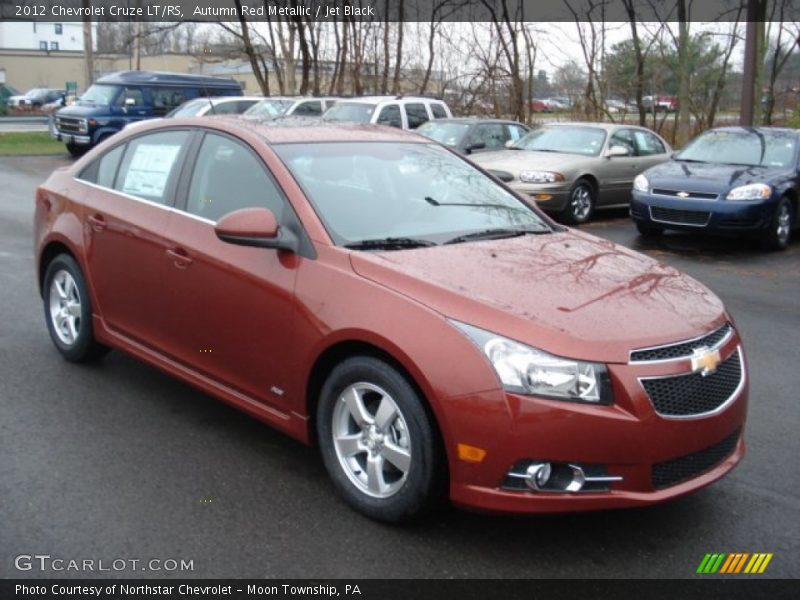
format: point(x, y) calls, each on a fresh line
point(68, 311)
point(378, 441)
point(779, 233)
point(76, 150)
point(580, 205)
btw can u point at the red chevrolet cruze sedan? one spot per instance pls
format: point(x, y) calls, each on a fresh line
point(372, 292)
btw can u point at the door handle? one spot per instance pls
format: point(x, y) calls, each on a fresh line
point(97, 222)
point(179, 257)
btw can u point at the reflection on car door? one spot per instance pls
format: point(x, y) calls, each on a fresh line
point(126, 214)
point(230, 309)
point(618, 172)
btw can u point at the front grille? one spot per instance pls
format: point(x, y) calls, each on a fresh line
point(674, 471)
point(682, 349)
point(68, 124)
point(679, 216)
point(694, 394)
point(697, 195)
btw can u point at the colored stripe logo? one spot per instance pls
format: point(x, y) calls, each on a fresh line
point(734, 563)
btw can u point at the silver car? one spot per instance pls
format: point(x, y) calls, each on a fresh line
point(571, 169)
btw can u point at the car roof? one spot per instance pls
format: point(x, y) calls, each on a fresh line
point(604, 126)
point(758, 129)
point(378, 99)
point(166, 78)
point(476, 121)
point(289, 130)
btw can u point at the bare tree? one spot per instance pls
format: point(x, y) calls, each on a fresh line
point(780, 50)
point(507, 30)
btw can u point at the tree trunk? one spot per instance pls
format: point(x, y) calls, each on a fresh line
point(399, 48)
point(683, 132)
point(638, 78)
point(88, 46)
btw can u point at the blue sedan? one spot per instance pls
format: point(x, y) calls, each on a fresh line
point(732, 180)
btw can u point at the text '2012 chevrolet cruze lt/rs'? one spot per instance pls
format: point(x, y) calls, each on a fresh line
point(372, 292)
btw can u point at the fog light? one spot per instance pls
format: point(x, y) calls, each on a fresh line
point(538, 474)
point(542, 197)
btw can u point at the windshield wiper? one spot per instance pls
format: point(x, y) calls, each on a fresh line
point(495, 234)
point(691, 160)
point(435, 202)
point(389, 243)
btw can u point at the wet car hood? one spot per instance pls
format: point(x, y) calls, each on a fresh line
point(515, 161)
point(568, 293)
point(83, 110)
point(706, 177)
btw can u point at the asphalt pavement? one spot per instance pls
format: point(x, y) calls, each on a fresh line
point(117, 461)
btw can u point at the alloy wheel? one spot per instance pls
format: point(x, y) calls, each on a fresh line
point(65, 307)
point(371, 439)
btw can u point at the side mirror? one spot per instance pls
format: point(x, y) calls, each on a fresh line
point(509, 143)
point(130, 102)
point(618, 151)
point(255, 227)
point(475, 146)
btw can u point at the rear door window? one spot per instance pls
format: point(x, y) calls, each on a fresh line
point(438, 111)
point(648, 144)
point(150, 165)
point(165, 99)
point(390, 115)
point(416, 114)
point(312, 108)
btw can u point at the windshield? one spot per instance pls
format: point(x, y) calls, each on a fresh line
point(271, 109)
point(751, 148)
point(587, 141)
point(368, 191)
point(100, 94)
point(190, 109)
point(356, 112)
point(449, 134)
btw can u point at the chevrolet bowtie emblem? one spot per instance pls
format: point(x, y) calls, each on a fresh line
point(682, 194)
point(705, 361)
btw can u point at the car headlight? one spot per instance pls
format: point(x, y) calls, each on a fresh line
point(641, 184)
point(540, 177)
point(526, 370)
point(752, 191)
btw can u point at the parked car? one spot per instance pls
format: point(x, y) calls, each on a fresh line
point(572, 169)
point(732, 180)
point(660, 103)
point(538, 105)
point(373, 293)
point(284, 106)
point(473, 135)
point(36, 98)
point(221, 105)
point(403, 112)
point(122, 98)
point(6, 93)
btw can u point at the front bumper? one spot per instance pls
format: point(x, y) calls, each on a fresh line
point(629, 439)
point(550, 197)
point(71, 138)
point(718, 216)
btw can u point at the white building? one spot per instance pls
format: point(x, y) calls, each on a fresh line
point(49, 37)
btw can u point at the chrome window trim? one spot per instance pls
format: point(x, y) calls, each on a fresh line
point(721, 408)
point(716, 346)
point(171, 209)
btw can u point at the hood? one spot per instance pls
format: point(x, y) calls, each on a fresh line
point(705, 177)
point(83, 110)
point(567, 293)
point(515, 161)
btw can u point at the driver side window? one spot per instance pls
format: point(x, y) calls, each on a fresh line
point(228, 176)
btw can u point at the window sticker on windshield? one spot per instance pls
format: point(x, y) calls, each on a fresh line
point(149, 169)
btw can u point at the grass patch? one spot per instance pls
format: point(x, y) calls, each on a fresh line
point(29, 143)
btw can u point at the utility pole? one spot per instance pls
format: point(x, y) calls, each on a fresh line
point(756, 10)
point(88, 50)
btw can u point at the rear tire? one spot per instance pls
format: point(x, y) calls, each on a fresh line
point(68, 311)
point(378, 442)
point(780, 229)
